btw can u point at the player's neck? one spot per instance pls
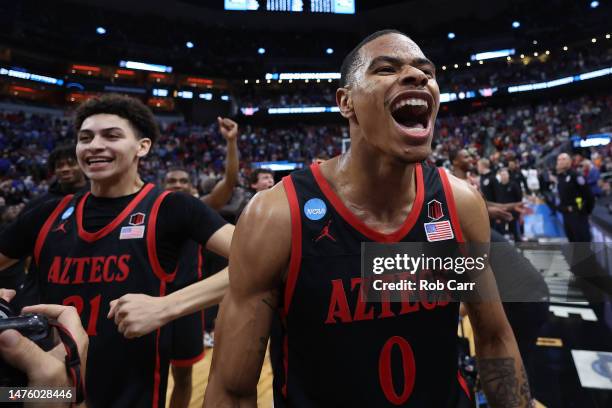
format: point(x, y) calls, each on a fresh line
point(461, 174)
point(123, 186)
point(379, 185)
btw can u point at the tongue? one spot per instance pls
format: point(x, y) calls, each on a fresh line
point(411, 124)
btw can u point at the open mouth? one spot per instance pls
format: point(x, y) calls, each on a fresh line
point(92, 161)
point(412, 110)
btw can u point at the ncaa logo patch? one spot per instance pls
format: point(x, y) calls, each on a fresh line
point(315, 209)
point(67, 213)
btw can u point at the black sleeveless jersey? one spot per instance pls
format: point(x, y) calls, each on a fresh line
point(88, 270)
point(188, 331)
point(338, 351)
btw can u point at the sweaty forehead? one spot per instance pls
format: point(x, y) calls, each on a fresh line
point(392, 45)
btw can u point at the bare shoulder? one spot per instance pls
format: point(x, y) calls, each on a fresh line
point(269, 208)
point(261, 246)
point(471, 209)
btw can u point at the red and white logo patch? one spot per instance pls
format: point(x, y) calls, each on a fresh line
point(434, 210)
point(438, 231)
point(137, 219)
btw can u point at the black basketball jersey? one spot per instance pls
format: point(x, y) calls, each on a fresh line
point(88, 270)
point(188, 331)
point(339, 351)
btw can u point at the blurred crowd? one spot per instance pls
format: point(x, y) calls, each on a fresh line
point(514, 138)
point(527, 132)
point(496, 73)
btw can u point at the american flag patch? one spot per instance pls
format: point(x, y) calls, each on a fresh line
point(438, 231)
point(132, 232)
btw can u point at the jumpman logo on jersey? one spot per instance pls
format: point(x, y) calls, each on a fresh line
point(61, 227)
point(325, 233)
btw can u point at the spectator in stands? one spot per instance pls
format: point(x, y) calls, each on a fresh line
point(488, 181)
point(508, 191)
point(591, 175)
point(516, 175)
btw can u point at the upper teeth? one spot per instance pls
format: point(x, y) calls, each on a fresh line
point(411, 102)
point(97, 160)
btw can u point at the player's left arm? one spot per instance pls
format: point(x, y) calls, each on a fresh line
point(501, 370)
point(222, 192)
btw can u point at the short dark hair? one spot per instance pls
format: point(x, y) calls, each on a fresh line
point(351, 60)
point(177, 168)
point(133, 110)
point(63, 152)
point(254, 176)
point(452, 154)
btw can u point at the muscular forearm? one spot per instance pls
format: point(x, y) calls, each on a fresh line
point(502, 374)
point(197, 296)
point(220, 397)
point(234, 376)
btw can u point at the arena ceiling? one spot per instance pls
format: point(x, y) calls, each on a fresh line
point(371, 14)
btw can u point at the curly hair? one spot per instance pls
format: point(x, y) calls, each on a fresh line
point(133, 110)
point(63, 152)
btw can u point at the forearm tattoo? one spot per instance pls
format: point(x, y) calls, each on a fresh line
point(271, 299)
point(501, 384)
point(524, 390)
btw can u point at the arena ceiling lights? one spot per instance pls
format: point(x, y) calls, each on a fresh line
point(561, 81)
point(23, 74)
point(493, 54)
point(144, 66)
point(304, 75)
point(308, 109)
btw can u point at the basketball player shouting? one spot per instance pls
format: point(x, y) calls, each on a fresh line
point(122, 236)
point(337, 350)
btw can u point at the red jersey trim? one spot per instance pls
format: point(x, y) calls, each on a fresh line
point(360, 225)
point(188, 362)
point(94, 236)
point(463, 384)
point(152, 241)
point(450, 201)
point(200, 275)
point(44, 231)
point(156, 373)
point(200, 262)
point(296, 242)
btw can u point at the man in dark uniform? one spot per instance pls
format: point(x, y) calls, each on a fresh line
point(296, 254)
point(461, 164)
point(488, 181)
point(575, 201)
point(516, 175)
point(508, 191)
point(69, 179)
point(309, 274)
point(122, 236)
